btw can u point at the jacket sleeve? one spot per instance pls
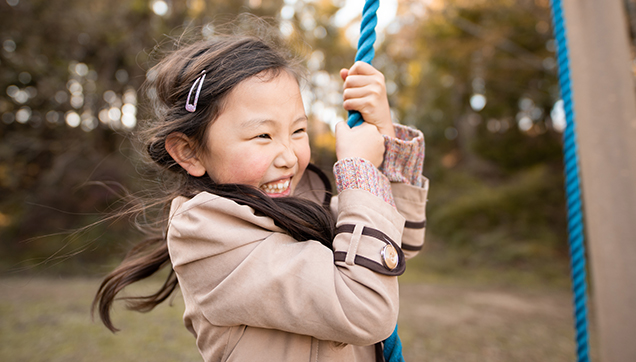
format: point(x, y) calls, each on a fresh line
point(410, 202)
point(403, 165)
point(269, 280)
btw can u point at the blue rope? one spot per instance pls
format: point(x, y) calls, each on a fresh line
point(572, 187)
point(365, 51)
point(392, 345)
point(393, 348)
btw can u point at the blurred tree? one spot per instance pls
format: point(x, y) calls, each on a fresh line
point(71, 70)
point(479, 78)
point(62, 62)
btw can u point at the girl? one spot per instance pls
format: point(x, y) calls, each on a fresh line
point(272, 268)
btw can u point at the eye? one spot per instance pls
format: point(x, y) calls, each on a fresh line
point(264, 135)
point(300, 130)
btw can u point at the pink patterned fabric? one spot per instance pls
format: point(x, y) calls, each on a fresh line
point(404, 156)
point(403, 162)
point(358, 173)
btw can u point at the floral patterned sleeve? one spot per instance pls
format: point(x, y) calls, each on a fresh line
point(403, 162)
point(358, 173)
point(404, 156)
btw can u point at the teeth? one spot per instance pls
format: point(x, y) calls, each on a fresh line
point(276, 188)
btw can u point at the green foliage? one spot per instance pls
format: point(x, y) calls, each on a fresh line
point(518, 205)
point(516, 151)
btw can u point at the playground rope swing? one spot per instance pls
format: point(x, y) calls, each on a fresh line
point(366, 52)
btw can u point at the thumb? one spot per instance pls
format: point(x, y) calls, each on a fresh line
point(342, 126)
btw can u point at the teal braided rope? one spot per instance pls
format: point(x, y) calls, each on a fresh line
point(365, 51)
point(572, 187)
point(392, 346)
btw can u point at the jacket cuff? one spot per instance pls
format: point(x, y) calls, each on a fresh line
point(411, 203)
point(404, 156)
point(358, 173)
point(368, 234)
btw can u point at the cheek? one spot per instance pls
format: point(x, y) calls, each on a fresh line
point(304, 154)
point(255, 167)
point(239, 167)
point(251, 168)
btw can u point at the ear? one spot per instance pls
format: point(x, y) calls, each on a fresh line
point(182, 150)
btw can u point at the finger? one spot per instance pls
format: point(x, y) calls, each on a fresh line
point(361, 105)
point(370, 90)
point(353, 93)
point(354, 81)
point(363, 68)
point(344, 73)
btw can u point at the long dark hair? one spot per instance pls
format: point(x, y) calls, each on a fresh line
point(227, 60)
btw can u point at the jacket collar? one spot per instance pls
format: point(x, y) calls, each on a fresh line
point(314, 186)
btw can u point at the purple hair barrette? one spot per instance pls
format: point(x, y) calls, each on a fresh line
point(191, 107)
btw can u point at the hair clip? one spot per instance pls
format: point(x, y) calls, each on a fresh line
point(191, 107)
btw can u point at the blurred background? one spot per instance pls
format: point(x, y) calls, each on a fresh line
point(477, 77)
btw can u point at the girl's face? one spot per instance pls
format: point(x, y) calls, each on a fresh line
point(260, 137)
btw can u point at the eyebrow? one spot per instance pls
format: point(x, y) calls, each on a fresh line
point(256, 122)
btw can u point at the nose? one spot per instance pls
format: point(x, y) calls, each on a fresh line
point(286, 157)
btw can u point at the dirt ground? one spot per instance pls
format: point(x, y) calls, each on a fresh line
point(469, 323)
point(49, 320)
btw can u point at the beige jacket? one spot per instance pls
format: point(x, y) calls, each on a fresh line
point(252, 293)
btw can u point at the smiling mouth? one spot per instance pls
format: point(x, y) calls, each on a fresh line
point(277, 188)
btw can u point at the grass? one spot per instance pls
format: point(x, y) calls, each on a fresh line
point(47, 319)
point(44, 319)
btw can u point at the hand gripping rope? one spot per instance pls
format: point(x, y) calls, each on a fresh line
point(365, 51)
point(392, 345)
point(572, 188)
